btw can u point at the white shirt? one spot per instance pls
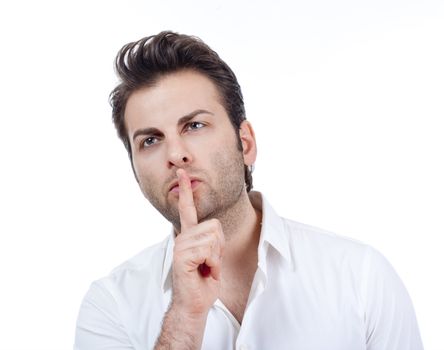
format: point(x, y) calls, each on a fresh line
point(312, 290)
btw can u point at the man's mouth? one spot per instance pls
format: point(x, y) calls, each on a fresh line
point(175, 186)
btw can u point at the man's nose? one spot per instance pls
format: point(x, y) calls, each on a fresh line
point(178, 154)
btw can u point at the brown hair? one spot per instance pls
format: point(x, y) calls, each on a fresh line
point(142, 63)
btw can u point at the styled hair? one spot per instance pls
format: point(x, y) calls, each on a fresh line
point(143, 63)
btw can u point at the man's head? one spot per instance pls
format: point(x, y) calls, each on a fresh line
point(143, 63)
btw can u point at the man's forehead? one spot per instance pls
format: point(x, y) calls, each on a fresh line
point(170, 99)
point(183, 84)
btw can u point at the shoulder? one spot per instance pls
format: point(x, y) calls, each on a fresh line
point(115, 303)
point(303, 237)
point(135, 275)
point(145, 268)
point(126, 286)
point(361, 273)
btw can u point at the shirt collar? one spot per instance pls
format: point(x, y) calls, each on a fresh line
point(273, 234)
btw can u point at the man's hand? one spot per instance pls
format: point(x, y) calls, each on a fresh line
point(193, 294)
point(197, 244)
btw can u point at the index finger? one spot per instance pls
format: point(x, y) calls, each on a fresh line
point(187, 209)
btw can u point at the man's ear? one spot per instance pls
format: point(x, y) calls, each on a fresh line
point(248, 141)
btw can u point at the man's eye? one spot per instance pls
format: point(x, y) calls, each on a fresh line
point(149, 141)
point(195, 126)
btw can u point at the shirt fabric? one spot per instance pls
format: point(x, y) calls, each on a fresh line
point(312, 290)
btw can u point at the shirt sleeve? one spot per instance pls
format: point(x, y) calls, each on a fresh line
point(98, 325)
point(389, 315)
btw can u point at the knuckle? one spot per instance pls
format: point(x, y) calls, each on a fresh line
point(198, 253)
point(215, 224)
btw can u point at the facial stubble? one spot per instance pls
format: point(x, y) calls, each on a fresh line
point(216, 197)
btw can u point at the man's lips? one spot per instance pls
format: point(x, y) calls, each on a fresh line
point(175, 186)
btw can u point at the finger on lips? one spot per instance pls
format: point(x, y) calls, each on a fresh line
point(187, 209)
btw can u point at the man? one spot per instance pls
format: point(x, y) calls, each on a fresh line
point(232, 274)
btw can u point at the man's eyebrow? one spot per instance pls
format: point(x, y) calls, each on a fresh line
point(189, 116)
point(145, 131)
point(183, 120)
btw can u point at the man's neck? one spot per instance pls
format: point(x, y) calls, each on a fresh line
point(241, 224)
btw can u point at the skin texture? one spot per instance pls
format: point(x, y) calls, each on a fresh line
point(187, 161)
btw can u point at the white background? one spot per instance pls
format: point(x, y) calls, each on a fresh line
point(346, 98)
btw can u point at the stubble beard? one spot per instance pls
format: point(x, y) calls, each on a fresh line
point(214, 200)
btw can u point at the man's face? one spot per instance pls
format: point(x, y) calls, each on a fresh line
point(181, 123)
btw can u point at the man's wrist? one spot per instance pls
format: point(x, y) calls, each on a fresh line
point(192, 317)
point(181, 329)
